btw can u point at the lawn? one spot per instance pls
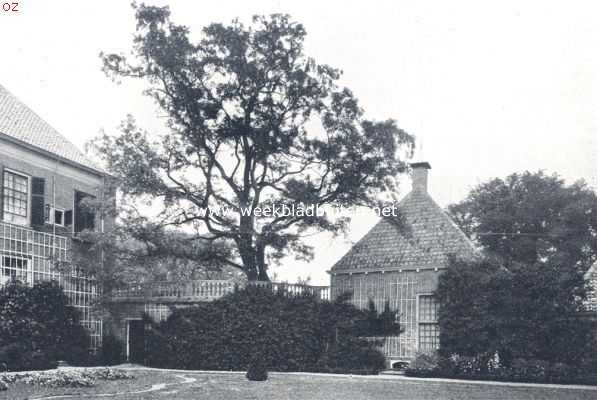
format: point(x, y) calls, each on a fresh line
point(151, 384)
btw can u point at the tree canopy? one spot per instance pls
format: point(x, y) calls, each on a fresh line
point(254, 127)
point(527, 312)
point(532, 217)
point(522, 298)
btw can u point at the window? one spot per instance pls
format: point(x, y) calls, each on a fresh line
point(15, 196)
point(54, 216)
point(15, 269)
point(84, 214)
point(428, 324)
point(59, 217)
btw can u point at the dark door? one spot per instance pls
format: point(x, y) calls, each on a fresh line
point(136, 341)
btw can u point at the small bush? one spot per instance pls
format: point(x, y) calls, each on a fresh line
point(3, 386)
point(257, 369)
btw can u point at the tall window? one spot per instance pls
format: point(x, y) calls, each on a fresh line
point(16, 198)
point(428, 324)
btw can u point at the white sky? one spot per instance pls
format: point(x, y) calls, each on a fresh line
point(491, 87)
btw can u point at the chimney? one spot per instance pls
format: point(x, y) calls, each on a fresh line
point(419, 176)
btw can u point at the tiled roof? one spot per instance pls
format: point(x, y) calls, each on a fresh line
point(19, 122)
point(425, 239)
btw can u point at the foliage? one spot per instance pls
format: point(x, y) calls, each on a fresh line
point(38, 327)
point(518, 312)
point(380, 324)
point(257, 370)
point(533, 218)
point(65, 378)
point(112, 351)
point(425, 361)
point(254, 124)
point(352, 354)
point(520, 370)
point(523, 299)
point(288, 333)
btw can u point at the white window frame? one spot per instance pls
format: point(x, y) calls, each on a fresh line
point(423, 322)
point(28, 268)
point(52, 216)
point(28, 217)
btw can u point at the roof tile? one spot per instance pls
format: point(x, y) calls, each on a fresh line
point(19, 122)
point(424, 239)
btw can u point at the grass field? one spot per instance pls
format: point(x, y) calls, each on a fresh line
point(152, 384)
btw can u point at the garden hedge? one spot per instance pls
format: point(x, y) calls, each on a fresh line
point(290, 334)
point(38, 328)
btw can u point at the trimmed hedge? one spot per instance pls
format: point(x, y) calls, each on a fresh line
point(520, 370)
point(38, 328)
point(288, 333)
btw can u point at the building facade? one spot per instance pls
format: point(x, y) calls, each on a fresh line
point(44, 180)
point(399, 261)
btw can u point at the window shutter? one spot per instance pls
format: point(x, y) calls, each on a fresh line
point(68, 218)
point(38, 208)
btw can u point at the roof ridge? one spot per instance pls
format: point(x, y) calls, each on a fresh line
point(451, 221)
point(434, 236)
point(21, 123)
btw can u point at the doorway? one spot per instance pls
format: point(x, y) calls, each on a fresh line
point(136, 341)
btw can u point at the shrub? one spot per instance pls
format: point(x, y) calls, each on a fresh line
point(296, 334)
point(520, 370)
point(352, 355)
point(38, 327)
point(23, 356)
point(425, 361)
point(518, 311)
point(257, 369)
point(112, 351)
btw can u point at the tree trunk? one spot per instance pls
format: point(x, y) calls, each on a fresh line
point(253, 259)
point(260, 263)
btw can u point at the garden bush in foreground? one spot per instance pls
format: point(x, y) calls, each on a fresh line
point(112, 351)
point(477, 368)
point(38, 328)
point(288, 333)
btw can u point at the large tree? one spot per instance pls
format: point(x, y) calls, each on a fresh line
point(524, 311)
point(252, 123)
point(522, 298)
point(532, 217)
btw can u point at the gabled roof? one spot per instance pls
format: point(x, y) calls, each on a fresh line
point(425, 239)
point(20, 123)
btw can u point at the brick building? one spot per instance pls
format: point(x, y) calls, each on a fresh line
point(44, 179)
point(400, 263)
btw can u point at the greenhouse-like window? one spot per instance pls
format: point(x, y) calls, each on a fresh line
point(428, 323)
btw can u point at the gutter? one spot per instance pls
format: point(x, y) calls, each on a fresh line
point(54, 156)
